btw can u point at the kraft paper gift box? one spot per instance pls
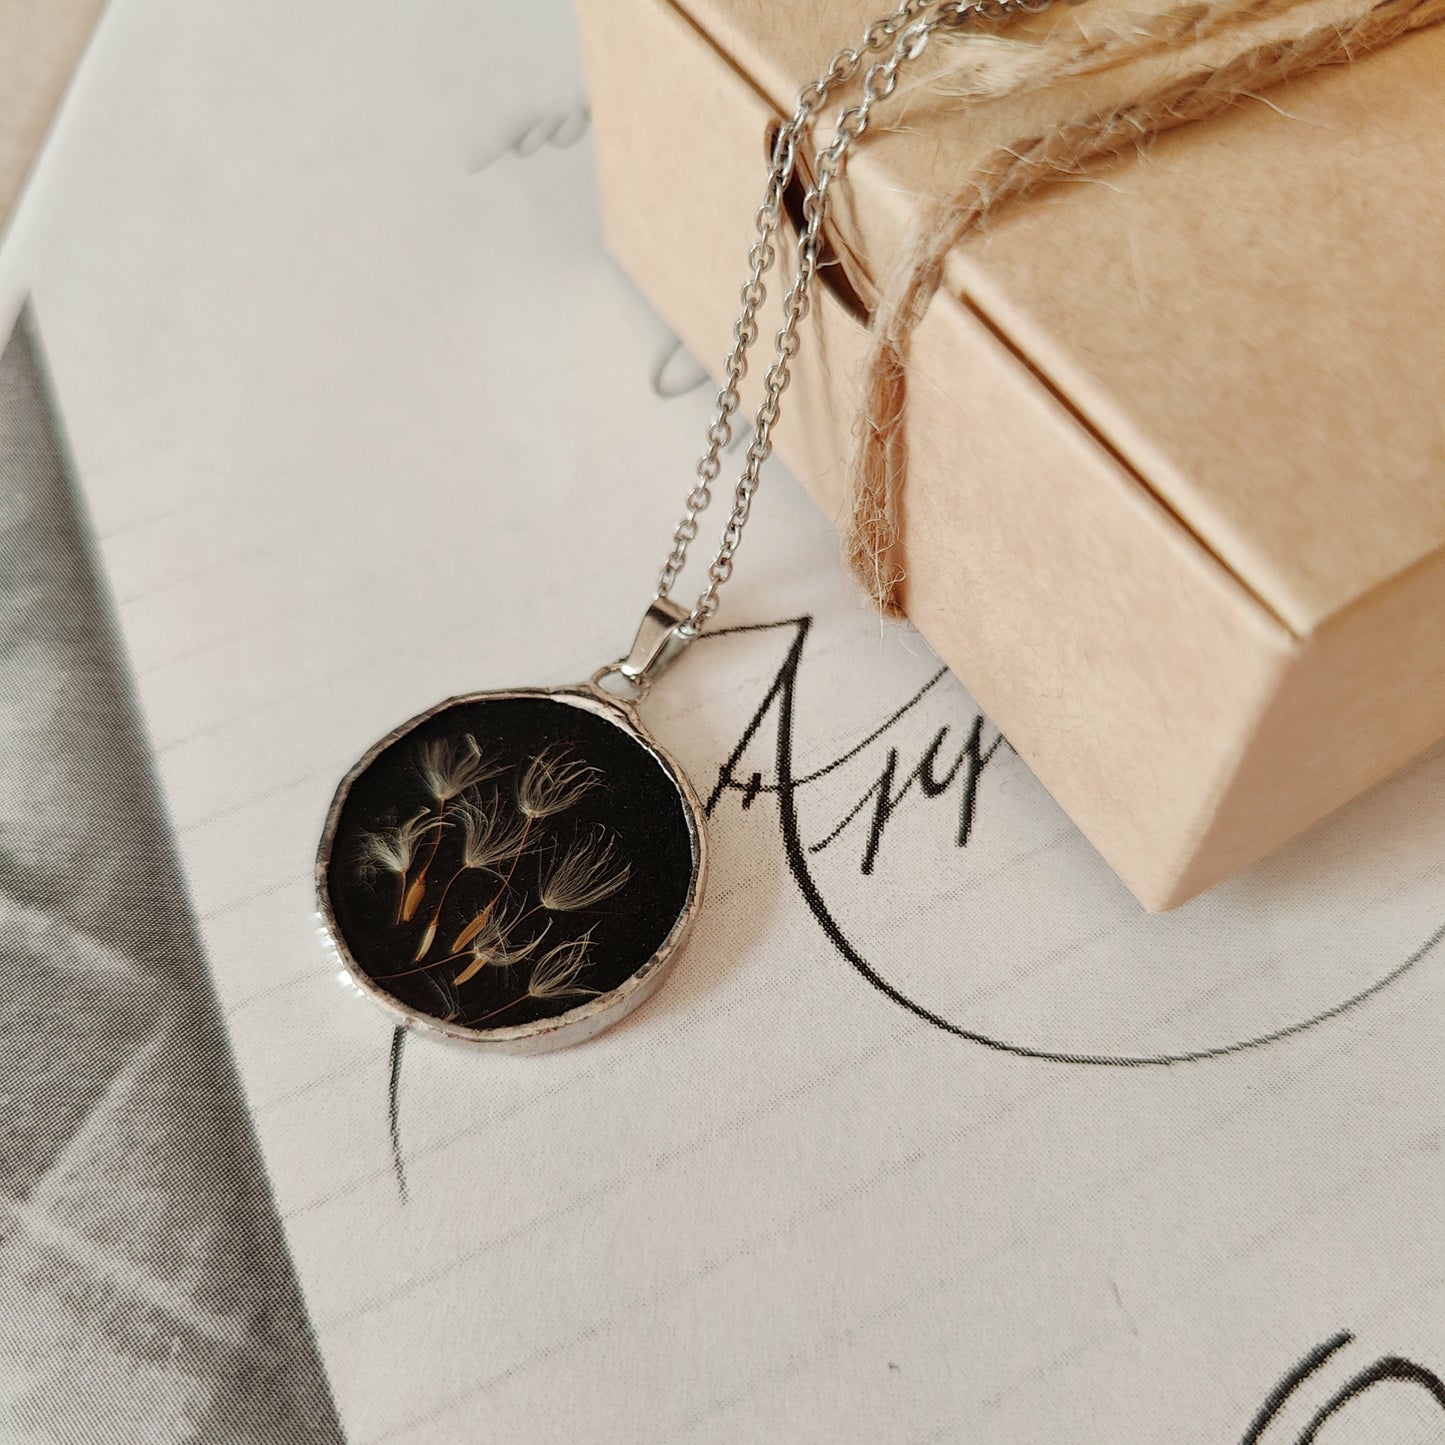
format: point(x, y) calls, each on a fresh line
point(1174, 504)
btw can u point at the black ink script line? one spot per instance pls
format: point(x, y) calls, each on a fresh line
point(1388, 1369)
point(885, 797)
point(1278, 1397)
point(393, 1108)
point(780, 700)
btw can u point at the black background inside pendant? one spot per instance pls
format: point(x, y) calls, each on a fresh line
point(635, 804)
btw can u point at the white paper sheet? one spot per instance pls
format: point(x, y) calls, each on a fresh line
point(366, 417)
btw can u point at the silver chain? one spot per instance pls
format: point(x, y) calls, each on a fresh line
point(903, 35)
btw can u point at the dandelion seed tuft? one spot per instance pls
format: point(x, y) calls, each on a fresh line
point(582, 876)
point(553, 783)
point(492, 948)
point(393, 850)
point(487, 837)
point(557, 971)
point(449, 766)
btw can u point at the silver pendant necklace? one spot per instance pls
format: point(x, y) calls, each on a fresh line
point(519, 869)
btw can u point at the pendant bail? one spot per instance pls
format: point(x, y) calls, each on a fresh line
point(661, 636)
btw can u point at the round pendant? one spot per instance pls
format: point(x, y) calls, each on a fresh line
point(514, 869)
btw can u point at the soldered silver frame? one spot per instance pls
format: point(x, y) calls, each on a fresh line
point(594, 1015)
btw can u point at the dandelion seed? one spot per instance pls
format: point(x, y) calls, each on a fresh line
point(479, 961)
point(393, 850)
point(489, 931)
point(584, 875)
point(449, 766)
point(486, 841)
point(487, 838)
point(493, 949)
point(473, 929)
point(555, 975)
point(411, 899)
point(553, 783)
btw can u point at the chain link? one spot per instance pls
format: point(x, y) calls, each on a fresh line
point(898, 38)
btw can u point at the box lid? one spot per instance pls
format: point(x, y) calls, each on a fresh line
point(1249, 312)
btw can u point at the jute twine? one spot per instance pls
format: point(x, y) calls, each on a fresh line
point(1277, 40)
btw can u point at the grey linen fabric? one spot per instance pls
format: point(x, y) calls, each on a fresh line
point(146, 1295)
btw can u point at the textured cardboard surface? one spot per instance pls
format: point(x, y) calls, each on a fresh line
point(1175, 509)
point(1239, 310)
